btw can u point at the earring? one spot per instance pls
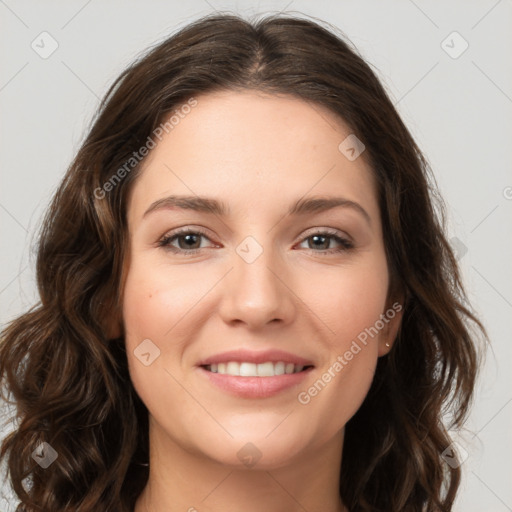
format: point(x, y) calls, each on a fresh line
point(388, 345)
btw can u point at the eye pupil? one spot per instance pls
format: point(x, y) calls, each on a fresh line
point(189, 237)
point(317, 237)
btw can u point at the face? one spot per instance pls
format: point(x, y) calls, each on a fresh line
point(254, 274)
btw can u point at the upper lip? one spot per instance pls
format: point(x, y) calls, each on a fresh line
point(248, 356)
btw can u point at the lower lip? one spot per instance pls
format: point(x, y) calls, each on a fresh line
point(255, 387)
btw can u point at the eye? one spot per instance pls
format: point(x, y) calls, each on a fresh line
point(322, 240)
point(188, 241)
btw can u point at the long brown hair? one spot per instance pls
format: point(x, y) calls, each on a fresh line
point(70, 382)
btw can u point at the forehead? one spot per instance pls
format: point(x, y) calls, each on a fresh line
point(253, 146)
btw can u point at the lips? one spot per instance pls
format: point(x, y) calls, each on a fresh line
point(254, 387)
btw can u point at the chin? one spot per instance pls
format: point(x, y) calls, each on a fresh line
point(258, 457)
point(254, 450)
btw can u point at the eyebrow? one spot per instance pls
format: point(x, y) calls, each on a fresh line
point(215, 207)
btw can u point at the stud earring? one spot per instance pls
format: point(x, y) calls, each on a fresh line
point(388, 345)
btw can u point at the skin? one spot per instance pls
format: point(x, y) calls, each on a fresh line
point(258, 154)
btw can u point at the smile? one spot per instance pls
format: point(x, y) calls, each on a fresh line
point(246, 369)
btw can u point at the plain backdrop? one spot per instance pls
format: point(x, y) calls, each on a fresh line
point(448, 69)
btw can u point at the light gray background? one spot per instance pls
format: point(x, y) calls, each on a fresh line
point(458, 109)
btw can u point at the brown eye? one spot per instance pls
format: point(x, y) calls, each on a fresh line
point(186, 241)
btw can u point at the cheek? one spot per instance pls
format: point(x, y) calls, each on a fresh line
point(151, 308)
point(351, 301)
point(336, 390)
point(350, 308)
point(164, 305)
point(156, 300)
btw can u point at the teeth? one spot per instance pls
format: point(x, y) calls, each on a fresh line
point(233, 368)
point(244, 369)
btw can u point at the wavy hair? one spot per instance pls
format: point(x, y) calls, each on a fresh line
point(69, 378)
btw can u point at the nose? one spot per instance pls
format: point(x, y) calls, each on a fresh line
point(258, 293)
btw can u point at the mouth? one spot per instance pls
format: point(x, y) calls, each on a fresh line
point(255, 380)
point(248, 369)
point(255, 374)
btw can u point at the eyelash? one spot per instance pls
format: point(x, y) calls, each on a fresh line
point(165, 241)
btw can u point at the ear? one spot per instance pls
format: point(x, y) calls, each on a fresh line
point(392, 319)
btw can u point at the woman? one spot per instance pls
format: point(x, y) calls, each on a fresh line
point(247, 297)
